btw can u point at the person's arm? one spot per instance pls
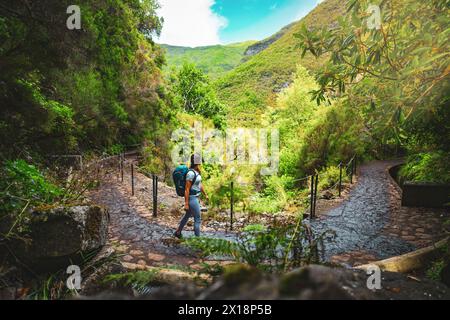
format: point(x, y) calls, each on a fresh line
point(204, 193)
point(186, 194)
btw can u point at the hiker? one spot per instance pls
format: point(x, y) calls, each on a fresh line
point(193, 188)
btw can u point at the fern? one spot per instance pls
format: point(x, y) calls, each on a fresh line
point(138, 279)
point(274, 249)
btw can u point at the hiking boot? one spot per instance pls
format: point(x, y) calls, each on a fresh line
point(178, 235)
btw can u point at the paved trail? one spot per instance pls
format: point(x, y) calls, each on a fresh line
point(371, 225)
point(141, 239)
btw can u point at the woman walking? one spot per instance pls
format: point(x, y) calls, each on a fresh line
point(193, 190)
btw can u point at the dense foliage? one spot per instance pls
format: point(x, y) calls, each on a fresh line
point(65, 91)
point(275, 249)
point(432, 166)
point(394, 74)
point(195, 95)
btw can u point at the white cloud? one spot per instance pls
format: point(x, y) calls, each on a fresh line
point(190, 23)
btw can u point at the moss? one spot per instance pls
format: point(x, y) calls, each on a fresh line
point(434, 272)
point(237, 274)
point(291, 283)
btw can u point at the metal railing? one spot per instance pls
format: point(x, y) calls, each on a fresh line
point(350, 170)
point(119, 161)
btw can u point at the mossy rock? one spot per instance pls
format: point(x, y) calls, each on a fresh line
point(445, 274)
point(62, 234)
point(316, 282)
point(236, 274)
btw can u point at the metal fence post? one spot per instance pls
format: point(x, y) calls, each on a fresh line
point(119, 163)
point(311, 211)
point(98, 175)
point(155, 195)
point(340, 179)
point(315, 193)
point(132, 179)
point(231, 205)
point(351, 172)
point(121, 167)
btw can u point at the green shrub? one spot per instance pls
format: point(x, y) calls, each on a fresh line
point(263, 204)
point(272, 249)
point(329, 178)
point(217, 181)
point(25, 181)
point(22, 186)
point(273, 198)
point(427, 167)
point(434, 272)
point(115, 149)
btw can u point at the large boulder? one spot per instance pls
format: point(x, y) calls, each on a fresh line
point(312, 282)
point(61, 234)
point(445, 274)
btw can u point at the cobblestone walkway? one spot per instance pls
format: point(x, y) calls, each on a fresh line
point(141, 239)
point(371, 224)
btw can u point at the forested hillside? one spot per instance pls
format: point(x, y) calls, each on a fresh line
point(93, 91)
point(214, 61)
point(69, 91)
point(332, 99)
point(253, 85)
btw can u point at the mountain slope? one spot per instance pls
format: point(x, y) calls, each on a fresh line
point(264, 44)
point(213, 60)
point(253, 85)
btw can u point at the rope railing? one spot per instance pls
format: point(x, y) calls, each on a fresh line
point(123, 165)
point(314, 186)
point(134, 168)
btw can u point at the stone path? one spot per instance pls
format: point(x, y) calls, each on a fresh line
point(137, 236)
point(371, 224)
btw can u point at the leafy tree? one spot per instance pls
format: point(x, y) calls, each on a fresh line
point(406, 46)
point(195, 94)
point(395, 73)
point(73, 90)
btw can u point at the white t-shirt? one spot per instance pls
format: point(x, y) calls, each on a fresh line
point(196, 187)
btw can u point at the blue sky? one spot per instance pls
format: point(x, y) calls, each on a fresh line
point(258, 19)
point(208, 22)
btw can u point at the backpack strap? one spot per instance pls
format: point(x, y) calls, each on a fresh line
point(195, 178)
